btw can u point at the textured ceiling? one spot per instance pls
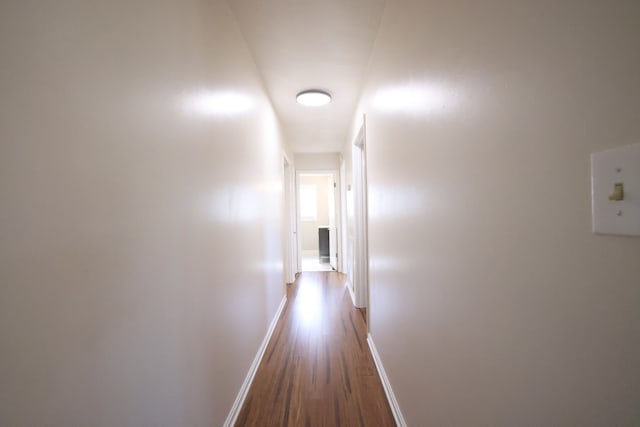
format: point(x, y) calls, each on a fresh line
point(302, 44)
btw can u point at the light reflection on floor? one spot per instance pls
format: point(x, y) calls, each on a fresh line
point(309, 304)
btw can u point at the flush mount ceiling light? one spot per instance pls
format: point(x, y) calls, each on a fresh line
point(313, 98)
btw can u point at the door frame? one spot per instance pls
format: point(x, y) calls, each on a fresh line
point(342, 261)
point(290, 248)
point(337, 205)
point(361, 244)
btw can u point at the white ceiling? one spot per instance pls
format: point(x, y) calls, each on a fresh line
point(304, 44)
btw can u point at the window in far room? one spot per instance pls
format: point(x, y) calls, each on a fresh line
point(308, 203)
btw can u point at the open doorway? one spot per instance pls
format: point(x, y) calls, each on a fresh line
point(317, 235)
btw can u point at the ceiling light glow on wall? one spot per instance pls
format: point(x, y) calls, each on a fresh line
point(313, 98)
point(213, 103)
point(414, 98)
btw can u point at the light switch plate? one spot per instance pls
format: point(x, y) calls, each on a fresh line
point(608, 168)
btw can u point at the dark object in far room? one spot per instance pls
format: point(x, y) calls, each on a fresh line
point(323, 244)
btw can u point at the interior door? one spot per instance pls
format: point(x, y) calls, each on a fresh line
point(290, 243)
point(333, 231)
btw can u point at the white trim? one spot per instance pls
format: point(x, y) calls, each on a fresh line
point(360, 243)
point(342, 239)
point(395, 408)
point(290, 248)
point(242, 394)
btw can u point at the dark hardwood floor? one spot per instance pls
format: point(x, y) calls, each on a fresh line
point(317, 369)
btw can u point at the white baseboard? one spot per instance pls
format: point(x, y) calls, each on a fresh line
point(395, 408)
point(242, 394)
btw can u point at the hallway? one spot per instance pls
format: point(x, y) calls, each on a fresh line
point(150, 161)
point(317, 369)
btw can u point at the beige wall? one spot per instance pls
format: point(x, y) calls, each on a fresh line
point(140, 242)
point(492, 303)
point(317, 161)
point(310, 228)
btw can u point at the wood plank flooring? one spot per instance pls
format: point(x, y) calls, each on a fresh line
point(317, 369)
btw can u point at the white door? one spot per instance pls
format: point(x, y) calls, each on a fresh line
point(289, 224)
point(360, 244)
point(333, 230)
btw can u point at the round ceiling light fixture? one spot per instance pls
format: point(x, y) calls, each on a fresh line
point(313, 97)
